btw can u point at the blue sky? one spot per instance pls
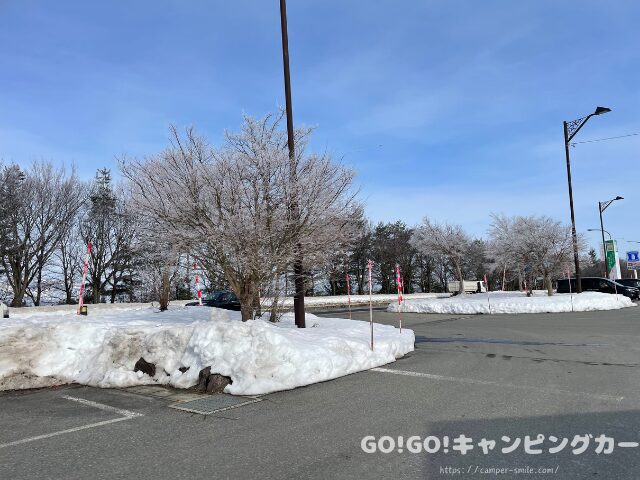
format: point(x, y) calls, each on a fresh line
point(451, 109)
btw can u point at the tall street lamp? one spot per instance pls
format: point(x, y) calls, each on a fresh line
point(603, 245)
point(298, 298)
point(597, 230)
point(602, 206)
point(570, 130)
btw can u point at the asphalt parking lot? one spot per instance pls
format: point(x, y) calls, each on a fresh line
point(492, 377)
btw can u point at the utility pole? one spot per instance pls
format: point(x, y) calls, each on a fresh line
point(298, 299)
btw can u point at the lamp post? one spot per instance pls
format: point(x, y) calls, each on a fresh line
point(570, 130)
point(604, 247)
point(298, 298)
point(597, 230)
point(602, 206)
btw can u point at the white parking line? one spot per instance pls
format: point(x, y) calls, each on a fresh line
point(102, 406)
point(496, 384)
point(126, 415)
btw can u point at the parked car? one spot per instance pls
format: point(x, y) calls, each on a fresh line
point(629, 282)
point(220, 299)
point(602, 285)
point(470, 286)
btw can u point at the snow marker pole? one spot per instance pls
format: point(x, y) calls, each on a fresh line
point(570, 292)
point(84, 278)
point(399, 285)
point(486, 285)
point(348, 294)
point(370, 264)
point(195, 266)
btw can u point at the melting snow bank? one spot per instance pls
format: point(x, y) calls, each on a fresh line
point(259, 356)
point(516, 302)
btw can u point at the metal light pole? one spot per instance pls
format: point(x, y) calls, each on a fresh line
point(570, 130)
point(602, 206)
point(603, 231)
point(298, 298)
point(597, 230)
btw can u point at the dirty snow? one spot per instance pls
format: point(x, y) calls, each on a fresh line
point(516, 302)
point(42, 348)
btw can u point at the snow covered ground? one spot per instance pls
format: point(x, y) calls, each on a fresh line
point(330, 300)
point(312, 302)
point(42, 348)
point(516, 302)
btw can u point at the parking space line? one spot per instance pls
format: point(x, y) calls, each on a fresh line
point(497, 384)
point(126, 415)
point(102, 406)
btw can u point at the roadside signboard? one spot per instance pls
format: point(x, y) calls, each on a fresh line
point(633, 260)
point(613, 261)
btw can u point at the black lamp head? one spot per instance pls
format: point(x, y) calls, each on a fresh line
point(601, 110)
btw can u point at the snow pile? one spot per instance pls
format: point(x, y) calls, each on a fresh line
point(333, 300)
point(516, 302)
point(259, 356)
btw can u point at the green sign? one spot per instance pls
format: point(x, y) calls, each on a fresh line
point(610, 247)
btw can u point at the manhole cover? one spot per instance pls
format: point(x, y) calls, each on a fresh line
point(214, 403)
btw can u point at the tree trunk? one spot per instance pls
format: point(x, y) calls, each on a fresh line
point(165, 290)
point(273, 312)
point(246, 307)
point(113, 287)
point(95, 288)
point(38, 288)
point(548, 284)
point(67, 287)
point(18, 298)
point(460, 277)
point(520, 285)
point(257, 308)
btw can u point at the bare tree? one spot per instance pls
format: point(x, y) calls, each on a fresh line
point(45, 202)
point(69, 256)
point(360, 254)
point(534, 245)
point(161, 264)
point(110, 227)
point(445, 239)
point(234, 204)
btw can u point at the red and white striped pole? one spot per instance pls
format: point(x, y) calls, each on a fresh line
point(84, 278)
point(370, 265)
point(195, 270)
point(348, 294)
point(400, 288)
point(570, 292)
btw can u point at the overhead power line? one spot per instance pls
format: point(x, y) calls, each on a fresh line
point(604, 139)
